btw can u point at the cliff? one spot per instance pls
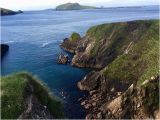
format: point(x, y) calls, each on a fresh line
point(25, 97)
point(73, 6)
point(123, 53)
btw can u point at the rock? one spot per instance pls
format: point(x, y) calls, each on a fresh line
point(94, 104)
point(99, 115)
point(152, 78)
point(113, 89)
point(84, 102)
point(63, 59)
point(145, 82)
point(119, 93)
point(87, 106)
point(92, 92)
point(4, 49)
point(88, 116)
point(138, 105)
point(131, 88)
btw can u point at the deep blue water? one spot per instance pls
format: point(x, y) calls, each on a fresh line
point(34, 39)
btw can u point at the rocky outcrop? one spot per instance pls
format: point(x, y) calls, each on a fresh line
point(63, 59)
point(70, 44)
point(137, 102)
point(4, 49)
point(124, 55)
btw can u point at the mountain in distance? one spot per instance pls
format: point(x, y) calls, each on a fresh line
point(73, 6)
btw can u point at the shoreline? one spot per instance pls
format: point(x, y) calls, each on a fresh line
point(95, 82)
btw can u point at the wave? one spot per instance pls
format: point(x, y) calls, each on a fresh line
point(46, 44)
point(9, 41)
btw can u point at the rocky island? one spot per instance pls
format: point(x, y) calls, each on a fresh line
point(4, 49)
point(73, 6)
point(125, 82)
point(9, 12)
point(25, 97)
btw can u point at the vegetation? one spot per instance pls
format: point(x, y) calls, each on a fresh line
point(151, 100)
point(73, 6)
point(141, 62)
point(75, 37)
point(13, 98)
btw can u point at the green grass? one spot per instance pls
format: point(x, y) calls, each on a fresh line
point(12, 100)
point(151, 100)
point(12, 96)
point(141, 62)
point(75, 37)
point(114, 37)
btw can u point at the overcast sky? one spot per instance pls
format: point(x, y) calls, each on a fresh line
point(44, 4)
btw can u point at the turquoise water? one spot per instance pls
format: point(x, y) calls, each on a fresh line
point(34, 39)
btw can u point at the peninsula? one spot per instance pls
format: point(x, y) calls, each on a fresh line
point(125, 82)
point(5, 12)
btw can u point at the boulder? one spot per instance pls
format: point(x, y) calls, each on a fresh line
point(63, 59)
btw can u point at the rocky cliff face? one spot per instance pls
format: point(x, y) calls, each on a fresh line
point(125, 53)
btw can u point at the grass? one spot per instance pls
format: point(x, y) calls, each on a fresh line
point(151, 100)
point(114, 37)
point(12, 96)
point(141, 62)
point(75, 37)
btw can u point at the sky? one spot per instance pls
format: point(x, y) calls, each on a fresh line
point(46, 4)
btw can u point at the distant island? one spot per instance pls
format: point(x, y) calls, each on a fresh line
point(9, 12)
point(73, 6)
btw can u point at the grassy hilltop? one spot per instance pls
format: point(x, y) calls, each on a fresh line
point(73, 6)
point(18, 90)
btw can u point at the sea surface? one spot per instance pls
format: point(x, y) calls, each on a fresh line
point(34, 38)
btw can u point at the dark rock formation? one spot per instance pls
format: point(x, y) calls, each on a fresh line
point(63, 59)
point(4, 49)
point(8, 12)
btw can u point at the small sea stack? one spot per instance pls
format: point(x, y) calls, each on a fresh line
point(63, 59)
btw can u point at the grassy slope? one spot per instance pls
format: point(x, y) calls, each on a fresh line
point(141, 62)
point(12, 97)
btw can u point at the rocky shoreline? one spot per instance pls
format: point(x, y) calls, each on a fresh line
point(117, 50)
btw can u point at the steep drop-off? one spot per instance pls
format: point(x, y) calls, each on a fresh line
point(123, 53)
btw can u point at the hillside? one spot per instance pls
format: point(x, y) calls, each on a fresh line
point(73, 6)
point(123, 54)
point(8, 12)
point(25, 97)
